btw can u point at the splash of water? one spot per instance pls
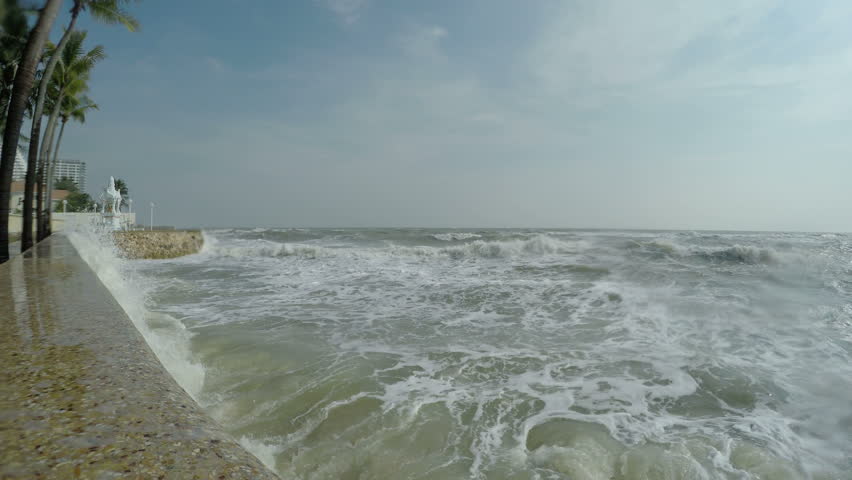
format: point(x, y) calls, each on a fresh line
point(166, 336)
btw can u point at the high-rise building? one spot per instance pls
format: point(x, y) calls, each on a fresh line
point(19, 170)
point(73, 169)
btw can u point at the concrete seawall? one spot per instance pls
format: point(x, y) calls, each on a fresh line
point(159, 244)
point(81, 393)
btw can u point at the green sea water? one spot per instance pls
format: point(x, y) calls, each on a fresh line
point(516, 354)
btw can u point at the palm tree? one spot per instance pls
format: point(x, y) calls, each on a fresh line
point(74, 108)
point(23, 83)
point(70, 79)
point(107, 11)
point(121, 186)
point(13, 38)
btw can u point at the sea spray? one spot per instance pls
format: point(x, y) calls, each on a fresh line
point(166, 336)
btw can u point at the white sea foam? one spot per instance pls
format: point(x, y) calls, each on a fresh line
point(543, 355)
point(265, 451)
point(455, 236)
point(263, 248)
point(537, 245)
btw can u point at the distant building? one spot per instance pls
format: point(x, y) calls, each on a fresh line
point(73, 169)
point(16, 199)
point(19, 170)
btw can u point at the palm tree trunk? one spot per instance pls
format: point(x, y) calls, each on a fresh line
point(44, 152)
point(7, 93)
point(50, 178)
point(40, 195)
point(17, 106)
point(35, 131)
point(44, 159)
point(39, 199)
point(44, 193)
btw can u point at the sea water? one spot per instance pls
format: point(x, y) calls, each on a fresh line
point(511, 354)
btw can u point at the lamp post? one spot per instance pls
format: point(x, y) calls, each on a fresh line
point(152, 216)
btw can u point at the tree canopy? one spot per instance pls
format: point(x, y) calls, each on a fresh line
point(66, 183)
point(78, 201)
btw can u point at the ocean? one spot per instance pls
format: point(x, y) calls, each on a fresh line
point(510, 354)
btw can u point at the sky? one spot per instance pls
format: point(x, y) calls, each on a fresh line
point(659, 114)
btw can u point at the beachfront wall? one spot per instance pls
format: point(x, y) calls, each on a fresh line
point(159, 244)
point(62, 221)
point(16, 224)
point(86, 220)
point(81, 393)
point(16, 197)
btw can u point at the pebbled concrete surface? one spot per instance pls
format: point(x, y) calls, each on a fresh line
point(81, 393)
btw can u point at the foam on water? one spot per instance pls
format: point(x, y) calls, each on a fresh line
point(453, 236)
point(536, 245)
point(523, 354)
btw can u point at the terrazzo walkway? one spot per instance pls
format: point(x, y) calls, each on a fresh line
point(81, 393)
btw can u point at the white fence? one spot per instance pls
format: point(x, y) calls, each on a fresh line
point(63, 221)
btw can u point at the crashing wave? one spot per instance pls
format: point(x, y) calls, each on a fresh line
point(454, 236)
point(742, 254)
point(270, 250)
point(538, 245)
point(166, 335)
point(745, 254)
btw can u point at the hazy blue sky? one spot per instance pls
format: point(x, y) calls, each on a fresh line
point(606, 113)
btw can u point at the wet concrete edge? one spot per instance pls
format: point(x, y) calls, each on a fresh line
point(81, 393)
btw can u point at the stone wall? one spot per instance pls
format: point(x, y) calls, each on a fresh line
point(16, 224)
point(159, 244)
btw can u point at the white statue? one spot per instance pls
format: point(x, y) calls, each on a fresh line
point(112, 214)
point(114, 196)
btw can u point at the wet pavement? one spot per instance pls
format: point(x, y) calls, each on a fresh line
point(81, 393)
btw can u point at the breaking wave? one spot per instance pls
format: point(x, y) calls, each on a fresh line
point(166, 335)
point(743, 254)
point(455, 236)
point(536, 245)
point(539, 245)
point(269, 249)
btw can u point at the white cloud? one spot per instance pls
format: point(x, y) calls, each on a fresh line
point(215, 64)
point(667, 50)
point(349, 11)
point(610, 44)
point(583, 135)
point(423, 42)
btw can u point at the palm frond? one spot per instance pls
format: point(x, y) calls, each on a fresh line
point(74, 47)
point(97, 53)
point(75, 108)
point(111, 12)
point(73, 70)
